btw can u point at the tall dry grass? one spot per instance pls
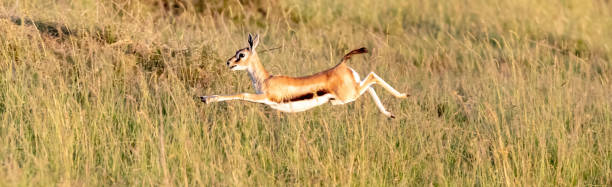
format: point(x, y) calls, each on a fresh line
point(503, 93)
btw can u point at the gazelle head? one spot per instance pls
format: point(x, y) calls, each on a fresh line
point(244, 57)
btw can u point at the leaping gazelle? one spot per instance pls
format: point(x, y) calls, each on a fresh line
point(338, 85)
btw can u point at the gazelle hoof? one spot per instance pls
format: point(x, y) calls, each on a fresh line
point(204, 99)
point(388, 114)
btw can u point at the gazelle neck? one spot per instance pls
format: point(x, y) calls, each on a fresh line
point(257, 73)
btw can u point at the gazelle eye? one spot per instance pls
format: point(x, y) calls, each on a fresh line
point(241, 55)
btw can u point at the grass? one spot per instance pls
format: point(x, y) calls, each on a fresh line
point(503, 93)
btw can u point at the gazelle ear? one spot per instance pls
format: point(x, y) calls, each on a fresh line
point(253, 42)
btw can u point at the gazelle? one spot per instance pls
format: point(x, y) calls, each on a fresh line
point(338, 85)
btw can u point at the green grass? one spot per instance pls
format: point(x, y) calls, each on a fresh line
point(503, 93)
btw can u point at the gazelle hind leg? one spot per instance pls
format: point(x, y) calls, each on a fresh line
point(378, 103)
point(373, 78)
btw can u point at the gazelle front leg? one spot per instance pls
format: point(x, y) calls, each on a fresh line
point(257, 98)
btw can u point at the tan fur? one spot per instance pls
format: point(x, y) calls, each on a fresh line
point(337, 83)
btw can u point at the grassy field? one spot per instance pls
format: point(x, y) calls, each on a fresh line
point(504, 93)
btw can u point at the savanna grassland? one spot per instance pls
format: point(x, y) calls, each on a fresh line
point(504, 93)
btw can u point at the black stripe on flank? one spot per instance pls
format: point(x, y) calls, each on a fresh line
point(306, 96)
point(322, 92)
point(302, 97)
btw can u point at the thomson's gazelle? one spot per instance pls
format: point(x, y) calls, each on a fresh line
point(338, 85)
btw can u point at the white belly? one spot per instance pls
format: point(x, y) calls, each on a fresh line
point(302, 105)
